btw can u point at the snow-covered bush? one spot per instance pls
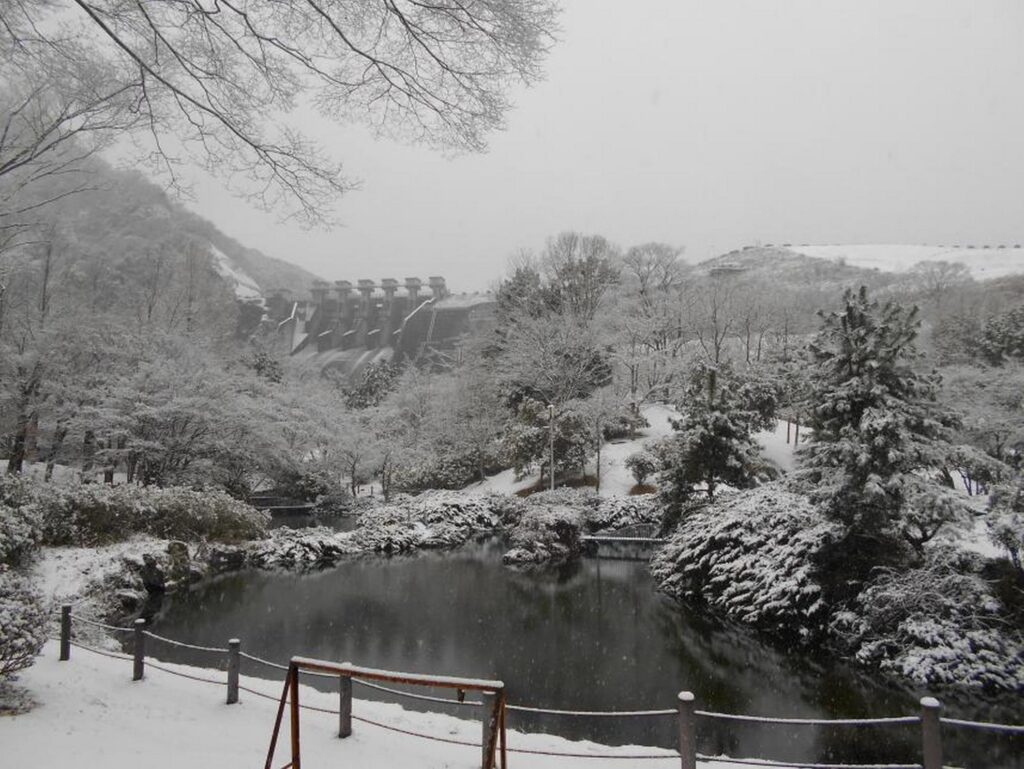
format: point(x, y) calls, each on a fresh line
point(1006, 521)
point(549, 531)
point(507, 507)
point(434, 519)
point(1006, 528)
point(619, 512)
point(643, 464)
point(290, 548)
point(20, 534)
point(439, 471)
point(937, 624)
point(22, 623)
point(750, 556)
point(91, 514)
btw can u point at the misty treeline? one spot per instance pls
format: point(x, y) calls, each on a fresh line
point(127, 357)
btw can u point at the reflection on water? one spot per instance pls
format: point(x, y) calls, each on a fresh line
point(591, 636)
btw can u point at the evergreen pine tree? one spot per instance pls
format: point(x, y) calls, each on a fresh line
point(877, 433)
point(714, 440)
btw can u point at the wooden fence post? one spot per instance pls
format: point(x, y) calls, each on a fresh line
point(234, 663)
point(344, 706)
point(687, 735)
point(293, 686)
point(65, 632)
point(931, 734)
point(139, 668)
point(489, 728)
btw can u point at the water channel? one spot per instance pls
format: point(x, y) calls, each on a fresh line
point(592, 636)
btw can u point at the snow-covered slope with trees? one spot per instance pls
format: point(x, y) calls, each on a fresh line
point(984, 262)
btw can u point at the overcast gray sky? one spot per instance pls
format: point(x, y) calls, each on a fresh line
point(704, 124)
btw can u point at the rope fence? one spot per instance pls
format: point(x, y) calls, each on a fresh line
point(810, 721)
point(929, 720)
point(183, 645)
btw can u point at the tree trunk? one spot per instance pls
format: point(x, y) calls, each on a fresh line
point(88, 452)
point(59, 434)
point(16, 461)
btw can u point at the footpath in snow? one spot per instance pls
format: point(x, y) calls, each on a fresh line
point(91, 713)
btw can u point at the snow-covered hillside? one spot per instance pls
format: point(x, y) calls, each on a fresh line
point(245, 286)
point(984, 262)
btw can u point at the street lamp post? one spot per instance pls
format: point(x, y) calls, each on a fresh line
point(551, 438)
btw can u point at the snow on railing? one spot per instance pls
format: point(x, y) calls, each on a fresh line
point(929, 719)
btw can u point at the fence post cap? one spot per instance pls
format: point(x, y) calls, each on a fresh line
point(140, 622)
point(930, 703)
point(234, 642)
point(65, 607)
point(686, 696)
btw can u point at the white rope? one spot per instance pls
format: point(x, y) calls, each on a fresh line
point(262, 661)
point(799, 765)
point(269, 664)
point(599, 713)
point(101, 652)
point(414, 696)
point(1005, 728)
point(183, 645)
point(811, 721)
point(76, 618)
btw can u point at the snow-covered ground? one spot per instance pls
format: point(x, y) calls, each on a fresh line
point(245, 287)
point(774, 445)
point(616, 479)
point(984, 263)
point(90, 713)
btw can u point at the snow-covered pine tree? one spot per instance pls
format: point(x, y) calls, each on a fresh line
point(713, 442)
point(878, 433)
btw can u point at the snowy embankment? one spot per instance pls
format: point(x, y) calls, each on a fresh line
point(90, 712)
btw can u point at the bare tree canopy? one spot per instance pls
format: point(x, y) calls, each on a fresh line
point(214, 82)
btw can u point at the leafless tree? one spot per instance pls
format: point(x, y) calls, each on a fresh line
point(656, 267)
point(223, 82)
point(580, 270)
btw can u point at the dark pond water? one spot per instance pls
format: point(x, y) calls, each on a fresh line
point(594, 636)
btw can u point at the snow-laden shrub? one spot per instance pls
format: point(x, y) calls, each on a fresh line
point(549, 531)
point(620, 512)
point(1006, 520)
point(507, 507)
point(440, 471)
point(584, 498)
point(750, 556)
point(434, 519)
point(936, 624)
point(22, 623)
point(289, 548)
point(1006, 528)
point(20, 534)
point(643, 464)
point(92, 514)
point(186, 514)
